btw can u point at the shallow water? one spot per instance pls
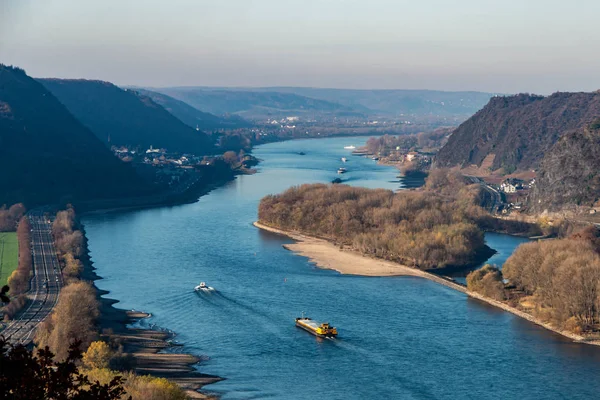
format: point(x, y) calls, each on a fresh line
point(400, 337)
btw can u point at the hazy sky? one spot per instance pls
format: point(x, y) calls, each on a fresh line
point(506, 46)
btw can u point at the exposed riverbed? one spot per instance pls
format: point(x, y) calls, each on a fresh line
point(400, 337)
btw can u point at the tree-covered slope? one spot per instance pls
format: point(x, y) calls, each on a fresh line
point(255, 104)
point(47, 155)
point(126, 117)
point(396, 102)
point(192, 116)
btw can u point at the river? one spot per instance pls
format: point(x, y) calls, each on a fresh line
point(399, 337)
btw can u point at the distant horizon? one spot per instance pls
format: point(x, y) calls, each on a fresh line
point(537, 46)
point(250, 86)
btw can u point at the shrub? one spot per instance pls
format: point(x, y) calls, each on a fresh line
point(98, 355)
point(487, 281)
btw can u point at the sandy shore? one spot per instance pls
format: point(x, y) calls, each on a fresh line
point(328, 256)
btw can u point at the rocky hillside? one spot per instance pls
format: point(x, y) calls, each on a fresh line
point(46, 155)
point(126, 117)
point(192, 116)
point(518, 130)
point(569, 174)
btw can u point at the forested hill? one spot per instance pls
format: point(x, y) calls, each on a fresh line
point(256, 105)
point(518, 130)
point(396, 102)
point(192, 116)
point(47, 155)
point(569, 174)
point(127, 117)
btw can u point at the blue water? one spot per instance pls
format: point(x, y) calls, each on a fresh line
point(399, 338)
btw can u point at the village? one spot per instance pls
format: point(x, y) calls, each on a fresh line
point(172, 169)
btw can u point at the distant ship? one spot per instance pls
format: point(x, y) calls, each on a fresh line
point(350, 147)
point(342, 170)
point(344, 159)
point(318, 329)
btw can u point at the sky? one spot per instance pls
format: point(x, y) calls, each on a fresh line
point(506, 46)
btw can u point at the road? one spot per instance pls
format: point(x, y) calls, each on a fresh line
point(45, 284)
point(494, 194)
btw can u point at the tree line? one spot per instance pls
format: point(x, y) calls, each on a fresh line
point(425, 141)
point(556, 280)
point(10, 217)
point(74, 316)
point(18, 281)
point(73, 322)
point(561, 277)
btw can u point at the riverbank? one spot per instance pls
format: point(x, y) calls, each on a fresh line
point(147, 346)
point(326, 255)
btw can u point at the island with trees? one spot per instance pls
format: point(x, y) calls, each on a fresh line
point(554, 283)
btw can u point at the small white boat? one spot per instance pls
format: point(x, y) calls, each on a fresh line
point(344, 159)
point(350, 147)
point(342, 170)
point(203, 286)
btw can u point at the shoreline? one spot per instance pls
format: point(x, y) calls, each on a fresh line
point(326, 255)
point(146, 345)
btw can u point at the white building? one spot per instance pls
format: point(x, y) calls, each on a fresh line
point(507, 187)
point(411, 156)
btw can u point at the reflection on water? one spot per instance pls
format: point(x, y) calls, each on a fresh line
point(399, 337)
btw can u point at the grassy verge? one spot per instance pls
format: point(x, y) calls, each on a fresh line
point(9, 255)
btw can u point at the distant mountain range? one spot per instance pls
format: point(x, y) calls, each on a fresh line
point(47, 155)
point(192, 116)
point(126, 118)
point(517, 131)
point(258, 103)
point(397, 102)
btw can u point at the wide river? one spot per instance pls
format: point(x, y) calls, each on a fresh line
point(399, 338)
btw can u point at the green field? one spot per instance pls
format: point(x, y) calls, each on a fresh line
point(9, 255)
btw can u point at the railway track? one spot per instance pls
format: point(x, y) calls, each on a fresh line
point(45, 284)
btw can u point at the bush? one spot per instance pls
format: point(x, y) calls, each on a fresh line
point(25, 376)
point(141, 387)
point(98, 355)
point(487, 281)
point(10, 217)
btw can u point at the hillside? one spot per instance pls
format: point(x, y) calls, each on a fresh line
point(192, 116)
point(517, 130)
point(126, 117)
point(47, 155)
point(569, 174)
point(398, 102)
point(256, 105)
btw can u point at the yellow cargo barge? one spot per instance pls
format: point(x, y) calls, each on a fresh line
point(316, 328)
